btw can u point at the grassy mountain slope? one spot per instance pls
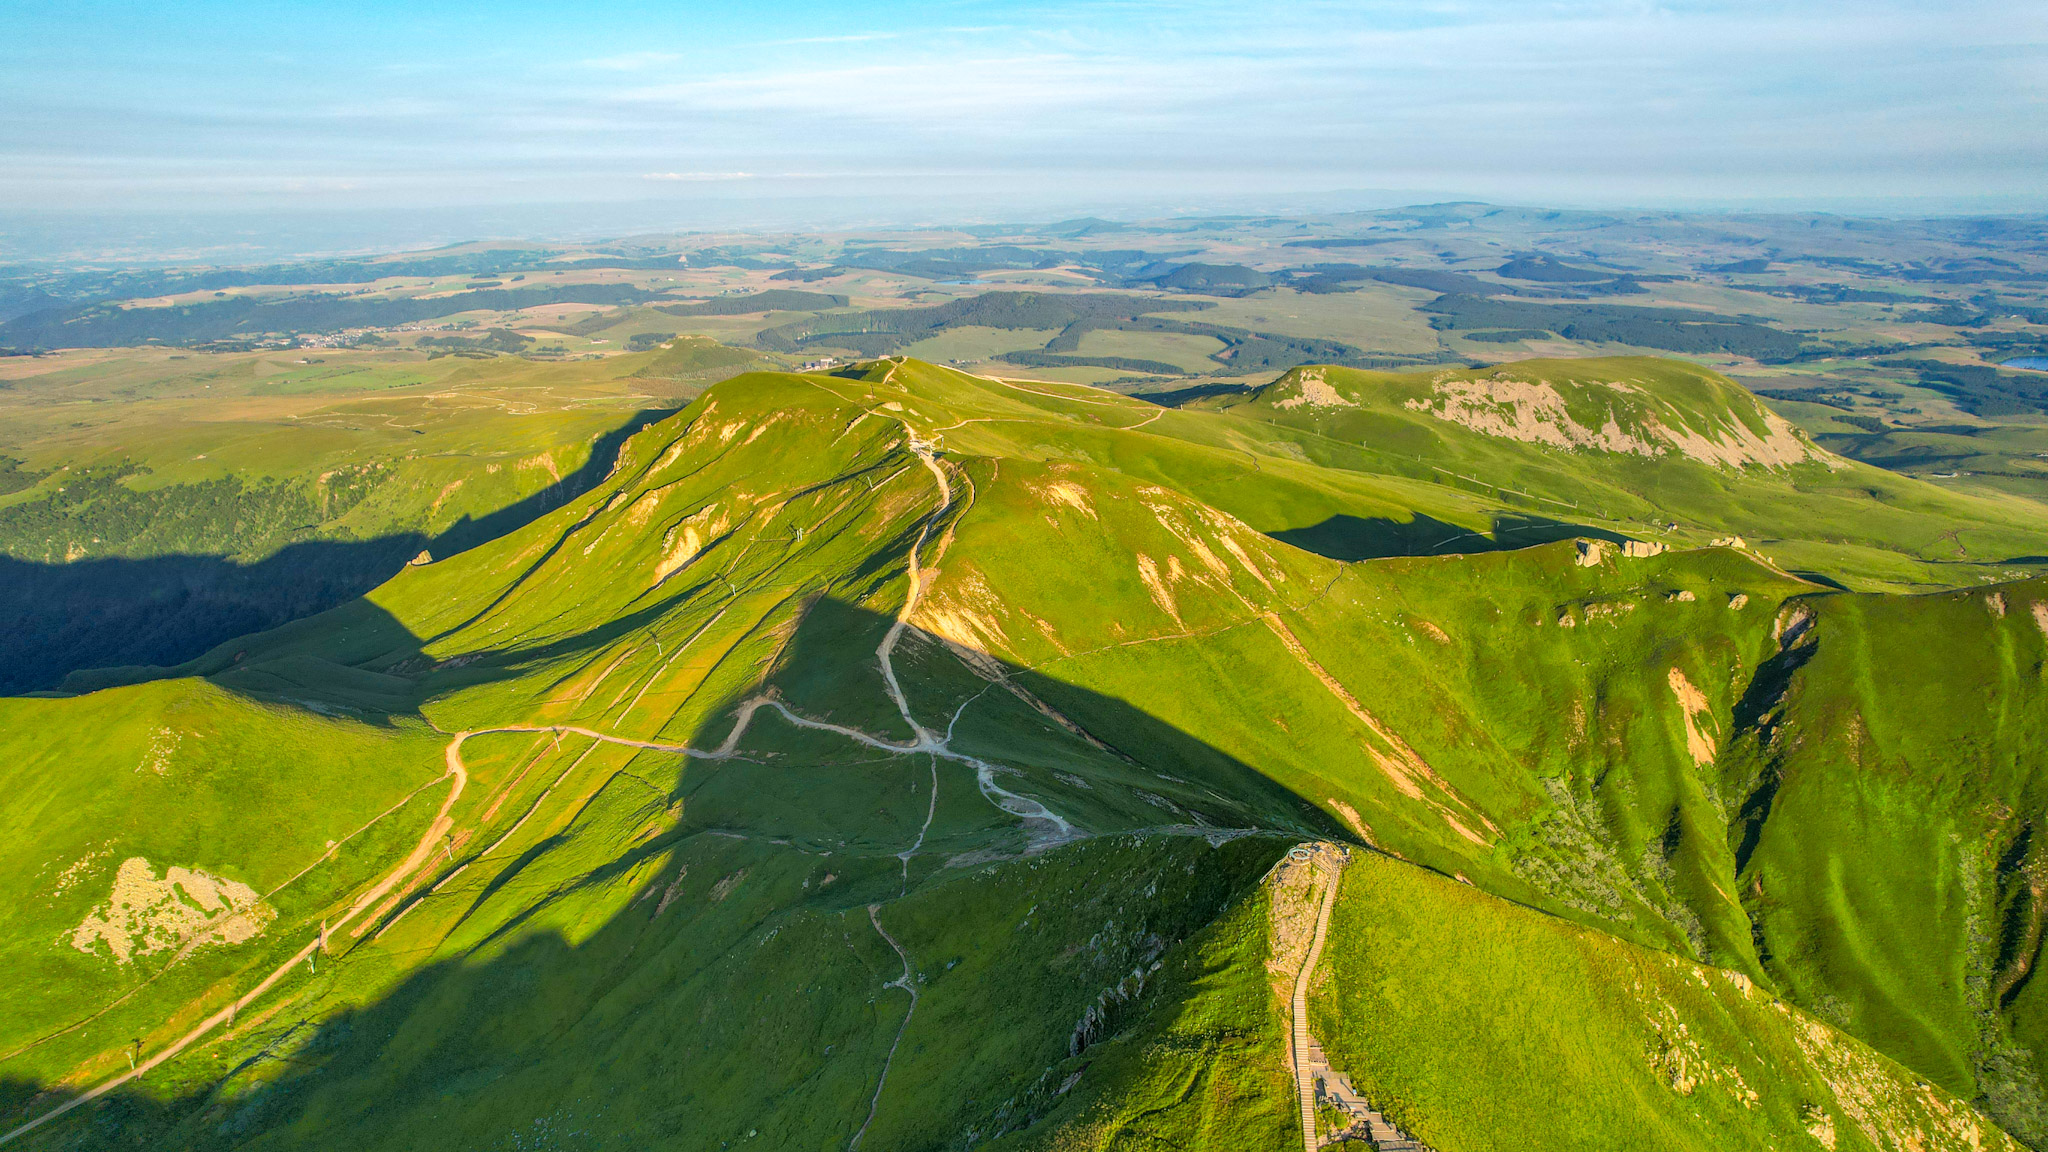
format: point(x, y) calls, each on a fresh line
point(177, 773)
point(895, 757)
point(1662, 449)
point(236, 494)
point(1891, 765)
point(1472, 1012)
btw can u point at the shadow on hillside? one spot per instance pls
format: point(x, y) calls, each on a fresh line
point(753, 1005)
point(1820, 578)
point(56, 619)
point(1176, 397)
point(1351, 538)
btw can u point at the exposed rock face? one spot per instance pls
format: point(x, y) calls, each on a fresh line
point(144, 914)
point(1316, 392)
point(1591, 552)
point(1692, 704)
point(1633, 423)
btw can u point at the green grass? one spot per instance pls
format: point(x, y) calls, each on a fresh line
point(1466, 1015)
point(628, 947)
point(203, 516)
point(1380, 317)
point(969, 342)
point(1853, 523)
point(1190, 353)
point(180, 773)
point(1201, 1068)
point(1890, 800)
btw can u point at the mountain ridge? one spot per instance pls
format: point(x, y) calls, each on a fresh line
point(913, 734)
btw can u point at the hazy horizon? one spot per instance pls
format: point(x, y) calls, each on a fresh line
point(548, 121)
point(228, 238)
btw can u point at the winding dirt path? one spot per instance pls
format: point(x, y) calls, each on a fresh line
point(927, 453)
point(924, 741)
point(907, 982)
point(187, 948)
point(458, 775)
point(458, 778)
point(1023, 807)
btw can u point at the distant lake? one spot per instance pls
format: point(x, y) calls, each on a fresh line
point(2036, 363)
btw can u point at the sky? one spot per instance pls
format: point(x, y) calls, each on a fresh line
point(982, 109)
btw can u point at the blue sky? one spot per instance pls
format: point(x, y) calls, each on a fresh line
point(281, 107)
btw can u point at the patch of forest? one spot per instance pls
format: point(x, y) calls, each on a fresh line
point(1980, 389)
point(1671, 329)
point(876, 332)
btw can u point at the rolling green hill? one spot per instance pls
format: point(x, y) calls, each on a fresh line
point(902, 758)
point(1669, 451)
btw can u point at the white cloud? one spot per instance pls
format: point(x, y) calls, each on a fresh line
point(1511, 100)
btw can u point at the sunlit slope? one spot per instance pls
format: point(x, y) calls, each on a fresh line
point(897, 756)
point(1471, 1014)
point(1662, 449)
point(1890, 764)
point(1479, 1024)
point(561, 849)
point(1578, 729)
point(166, 841)
point(569, 827)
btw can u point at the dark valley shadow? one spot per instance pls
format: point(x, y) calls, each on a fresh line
point(1351, 538)
point(1175, 397)
point(56, 619)
point(743, 994)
